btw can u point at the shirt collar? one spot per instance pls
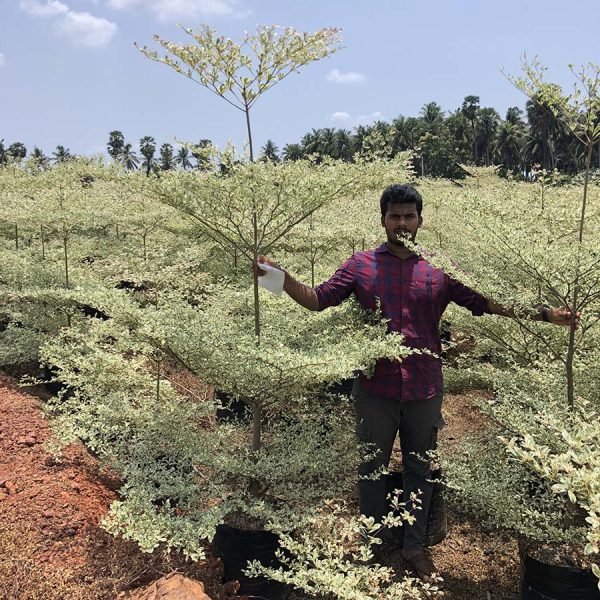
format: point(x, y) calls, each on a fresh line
point(384, 248)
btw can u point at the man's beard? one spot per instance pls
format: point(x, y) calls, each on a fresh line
point(399, 239)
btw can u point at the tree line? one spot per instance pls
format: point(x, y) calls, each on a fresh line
point(441, 142)
point(470, 135)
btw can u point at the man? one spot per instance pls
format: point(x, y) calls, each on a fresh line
point(402, 398)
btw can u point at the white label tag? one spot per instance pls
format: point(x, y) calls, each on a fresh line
point(272, 280)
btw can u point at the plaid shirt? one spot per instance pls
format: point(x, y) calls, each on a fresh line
point(414, 295)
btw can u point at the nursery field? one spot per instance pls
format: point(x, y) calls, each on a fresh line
point(169, 394)
point(53, 548)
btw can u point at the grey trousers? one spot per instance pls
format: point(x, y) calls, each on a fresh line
point(417, 422)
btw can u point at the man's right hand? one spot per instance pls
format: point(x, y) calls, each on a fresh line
point(263, 259)
point(302, 294)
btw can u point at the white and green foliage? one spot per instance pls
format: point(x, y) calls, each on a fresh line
point(94, 228)
point(504, 244)
point(176, 461)
point(574, 468)
point(299, 354)
point(523, 248)
point(46, 208)
point(507, 495)
point(578, 112)
point(149, 434)
point(349, 222)
point(503, 492)
point(330, 558)
point(241, 72)
point(67, 241)
point(278, 196)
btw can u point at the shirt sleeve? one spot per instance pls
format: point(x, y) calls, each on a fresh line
point(338, 287)
point(464, 296)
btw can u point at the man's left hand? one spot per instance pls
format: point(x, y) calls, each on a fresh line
point(564, 317)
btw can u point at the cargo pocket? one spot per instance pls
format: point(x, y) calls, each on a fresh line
point(437, 427)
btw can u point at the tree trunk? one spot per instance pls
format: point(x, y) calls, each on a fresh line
point(256, 409)
point(66, 253)
point(571, 345)
point(255, 279)
point(158, 379)
point(16, 236)
point(247, 112)
point(257, 416)
point(312, 264)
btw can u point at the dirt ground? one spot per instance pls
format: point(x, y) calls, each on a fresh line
point(51, 545)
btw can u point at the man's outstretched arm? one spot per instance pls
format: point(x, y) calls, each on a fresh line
point(479, 305)
point(557, 316)
point(298, 291)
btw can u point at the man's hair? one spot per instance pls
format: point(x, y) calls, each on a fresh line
point(398, 193)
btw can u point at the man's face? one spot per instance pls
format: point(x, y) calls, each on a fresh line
point(401, 220)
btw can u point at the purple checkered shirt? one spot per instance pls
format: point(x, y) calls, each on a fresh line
point(414, 295)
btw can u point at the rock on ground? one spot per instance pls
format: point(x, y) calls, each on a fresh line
point(170, 587)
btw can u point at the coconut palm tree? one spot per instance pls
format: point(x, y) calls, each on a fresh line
point(292, 152)
point(459, 132)
point(147, 149)
point(486, 128)
point(342, 145)
point(361, 135)
point(202, 155)
point(3, 153)
point(270, 151)
point(61, 154)
point(17, 151)
point(514, 115)
point(129, 158)
point(470, 109)
point(311, 142)
point(327, 141)
point(399, 134)
point(116, 143)
point(509, 143)
point(167, 160)
point(543, 132)
point(41, 160)
point(183, 158)
point(406, 132)
point(432, 116)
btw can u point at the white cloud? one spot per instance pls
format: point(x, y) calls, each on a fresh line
point(95, 150)
point(340, 116)
point(336, 76)
point(374, 116)
point(51, 8)
point(173, 10)
point(83, 29)
point(349, 120)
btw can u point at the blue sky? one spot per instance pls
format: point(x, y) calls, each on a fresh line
point(69, 73)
